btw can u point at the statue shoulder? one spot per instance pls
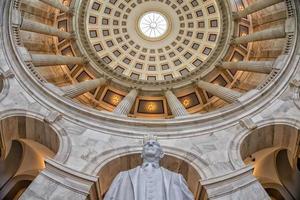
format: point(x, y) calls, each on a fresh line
point(166, 171)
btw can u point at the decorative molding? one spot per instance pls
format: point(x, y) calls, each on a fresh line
point(7, 75)
point(295, 86)
point(78, 182)
point(53, 117)
point(248, 124)
point(220, 187)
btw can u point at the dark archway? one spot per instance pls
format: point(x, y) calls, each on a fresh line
point(10, 165)
point(289, 176)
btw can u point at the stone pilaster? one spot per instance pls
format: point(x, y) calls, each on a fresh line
point(78, 89)
point(224, 93)
point(126, 104)
point(175, 105)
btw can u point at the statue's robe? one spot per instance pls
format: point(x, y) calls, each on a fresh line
point(128, 186)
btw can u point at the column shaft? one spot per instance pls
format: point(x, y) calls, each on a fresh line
point(56, 4)
point(126, 104)
point(250, 66)
point(49, 60)
point(175, 105)
point(28, 25)
point(78, 89)
point(256, 6)
point(272, 33)
point(226, 94)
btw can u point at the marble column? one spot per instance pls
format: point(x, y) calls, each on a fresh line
point(175, 105)
point(32, 26)
point(268, 34)
point(56, 4)
point(224, 93)
point(250, 66)
point(126, 104)
point(78, 89)
point(254, 7)
point(49, 60)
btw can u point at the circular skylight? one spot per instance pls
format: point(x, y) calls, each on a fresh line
point(153, 24)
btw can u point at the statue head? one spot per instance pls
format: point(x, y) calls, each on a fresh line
point(152, 151)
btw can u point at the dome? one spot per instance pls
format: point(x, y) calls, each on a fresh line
point(190, 34)
point(84, 83)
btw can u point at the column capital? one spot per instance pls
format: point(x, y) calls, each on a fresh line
point(73, 36)
point(171, 89)
point(134, 87)
point(85, 60)
point(219, 64)
point(295, 83)
point(52, 117)
point(235, 16)
point(71, 11)
point(107, 79)
point(7, 75)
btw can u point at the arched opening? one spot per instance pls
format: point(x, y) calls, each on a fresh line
point(273, 151)
point(22, 127)
point(124, 163)
point(25, 144)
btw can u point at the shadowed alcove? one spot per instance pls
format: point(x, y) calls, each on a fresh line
point(124, 163)
point(25, 144)
point(22, 127)
point(273, 151)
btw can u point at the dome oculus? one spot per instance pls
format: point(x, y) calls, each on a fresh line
point(153, 25)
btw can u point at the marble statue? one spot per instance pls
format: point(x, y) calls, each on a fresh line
point(149, 181)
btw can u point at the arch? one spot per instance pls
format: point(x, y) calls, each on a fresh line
point(273, 149)
point(280, 135)
point(25, 161)
point(15, 125)
point(36, 140)
point(125, 162)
